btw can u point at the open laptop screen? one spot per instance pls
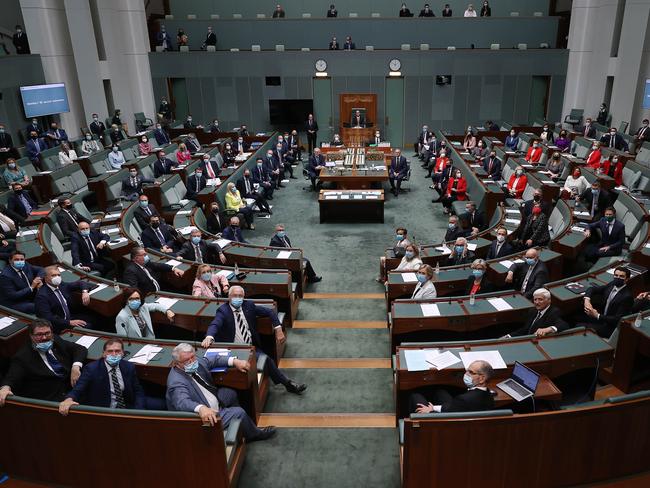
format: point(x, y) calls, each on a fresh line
point(525, 376)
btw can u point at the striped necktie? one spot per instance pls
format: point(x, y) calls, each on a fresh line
point(117, 390)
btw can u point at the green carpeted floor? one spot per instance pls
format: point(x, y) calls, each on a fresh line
point(337, 343)
point(344, 309)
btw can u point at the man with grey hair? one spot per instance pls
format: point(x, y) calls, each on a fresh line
point(280, 239)
point(190, 389)
point(528, 276)
point(544, 319)
point(477, 396)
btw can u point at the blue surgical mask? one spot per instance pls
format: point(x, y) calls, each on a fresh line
point(451, 226)
point(399, 237)
point(134, 304)
point(191, 368)
point(146, 258)
point(206, 276)
point(459, 249)
point(281, 234)
point(594, 190)
point(19, 264)
point(259, 165)
point(144, 203)
point(467, 379)
point(421, 277)
point(233, 190)
point(44, 346)
point(237, 302)
point(409, 254)
point(113, 359)
point(478, 273)
point(85, 233)
point(196, 240)
point(530, 261)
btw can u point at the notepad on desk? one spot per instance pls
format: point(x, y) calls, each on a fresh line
point(284, 254)
point(440, 360)
point(172, 262)
point(471, 246)
point(416, 360)
point(494, 358)
point(166, 302)
point(86, 341)
point(145, 354)
point(430, 310)
point(443, 249)
point(409, 278)
point(6, 322)
point(223, 242)
point(499, 304)
point(99, 287)
point(513, 221)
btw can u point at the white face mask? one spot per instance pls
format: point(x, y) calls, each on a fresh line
point(501, 238)
point(56, 281)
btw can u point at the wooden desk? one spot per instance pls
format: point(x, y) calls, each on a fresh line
point(632, 351)
point(356, 136)
point(351, 206)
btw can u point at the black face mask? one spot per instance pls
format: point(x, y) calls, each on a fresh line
point(68, 207)
point(155, 225)
point(618, 282)
point(234, 226)
point(18, 192)
point(537, 198)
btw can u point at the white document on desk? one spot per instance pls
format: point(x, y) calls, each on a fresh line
point(284, 254)
point(223, 243)
point(441, 360)
point(415, 360)
point(173, 262)
point(499, 304)
point(331, 197)
point(184, 212)
point(471, 246)
point(6, 322)
point(506, 263)
point(581, 213)
point(492, 357)
point(146, 354)
point(443, 249)
point(99, 287)
point(409, 278)
point(112, 216)
point(113, 230)
point(86, 341)
point(372, 197)
point(166, 302)
point(430, 310)
point(345, 197)
point(225, 273)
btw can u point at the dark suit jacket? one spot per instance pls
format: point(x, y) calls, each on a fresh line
point(213, 164)
point(161, 136)
point(31, 128)
point(536, 230)
point(477, 221)
point(314, 126)
point(13, 287)
point(79, 249)
point(55, 140)
point(94, 387)
point(615, 240)
point(98, 128)
point(350, 46)
point(495, 171)
point(241, 184)
point(150, 238)
point(116, 136)
point(587, 199)
point(48, 306)
point(233, 234)
point(15, 205)
point(21, 43)
point(142, 216)
point(470, 401)
point(187, 252)
point(191, 185)
point(619, 142)
point(486, 286)
point(244, 145)
point(163, 167)
point(398, 167)
point(313, 162)
point(66, 224)
point(33, 152)
point(7, 141)
point(28, 375)
point(459, 259)
point(277, 242)
point(529, 204)
point(222, 327)
point(129, 189)
point(646, 133)
point(456, 232)
point(506, 250)
point(216, 223)
point(620, 306)
point(538, 278)
point(134, 276)
point(552, 317)
point(591, 132)
point(362, 118)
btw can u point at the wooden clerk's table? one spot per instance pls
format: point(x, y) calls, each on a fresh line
point(351, 205)
point(355, 176)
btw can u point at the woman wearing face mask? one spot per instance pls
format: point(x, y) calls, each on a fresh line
point(563, 142)
point(145, 148)
point(182, 39)
point(66, 155)
point(614, 168)
point(399, 249)
point(469, 142)
point(460, 254)
point(14, 174)
point(208, 284)
point(425, 288)
point(486, 11)
point(517, 183)
point(228, 155)
point(574, 185)
point(235, 203)
point(411, 260)
point(594, 157)
point(555, 165)
point(602, 115)
point(547, 135)
point(479, 152)
point(134, 320)
point(476, 281)
point(535, 231)
point(456, 190)
point(90, 146)
point(512, 141)
point(116, 157)
point(183, 155)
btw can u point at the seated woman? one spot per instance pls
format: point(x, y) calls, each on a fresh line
point(517, 183)
point(411, 260)
point(479, 152)
point(512, 141)
point(425, 289)
point(183, 155)
point(399, 250)
point(145, 148)
point(535, 231)
point(134, 320)
point(14, 174)
point(555, 166)
point(615, 170)
point(438, 170)
point(456, 190)
point(563, 142)
point(116, 157)
point(476, 281)
point(208, 284)
point(593, 159)
point(90, 146)
point(228, 155)
point(66, 155)
point(469, 142)
point(574, 185)
point(547, 135)
point(459, 253)
point(234, 202)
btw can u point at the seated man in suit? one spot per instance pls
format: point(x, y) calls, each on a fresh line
point(236, 321)
point(196, 249)
point(641, 135)
point(192, 143)
point(612, 237)
point(358, 119)
point(190, 388)
point(90, 252)
point(211, 169)
point(115, 134)
point(615, 302)
point(19, 282)
point(163, 165)
point(283, 160)
point(233, 231)
point(274, 168)
point(397, 172)
point(544, 319)
point(295, 149)
point(595, 200)
point(55, 136)
point(262, 176)
point(252, 188)
point(195, 184)
point(477, 396)
point(475, 218)
point(376, 139)
point(7, 148)
point(454, 230)
point(241, 146)
point(349, 45)
point(143, 274)
point(588, 130)
point(108, 382)
point(162, 138)
point(20, 202)
point(614, 140)
point(536, 202)
point(54, 301)
point(33, 127)
point(45, 367)
point(492, 166)
point(641, 302)
point(160, 236)
point(68, 218)
point(97, 128)
point(132, 184)
point(500, 247)
point(316, 163)
point(460, 254)
point(280, 239)
point(144, 211)
point(528, 276)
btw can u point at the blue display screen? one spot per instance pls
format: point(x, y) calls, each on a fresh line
point(41, 100)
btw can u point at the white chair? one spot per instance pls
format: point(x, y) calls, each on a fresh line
point(184, 49)
point(234, 49)
point(261, 16)
point(514, 14)
point(305, 49)
point(279, 47)
point(424, 47)
point(256, 47)
point(495, 46)
point(544, 45)
point(405, 47)
point(451, 48)
point(375, 15)
point(353, 14)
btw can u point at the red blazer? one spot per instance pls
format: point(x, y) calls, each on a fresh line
point(618, 173)
point(534, 155)
point(593, 160)
point(440, 164)
point(521, 184)
point(461, 188)
point(605, 165)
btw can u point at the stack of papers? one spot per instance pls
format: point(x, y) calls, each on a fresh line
point(492, 357)
point(577, 229)
point(117, 242)
point(184, 212)
point(440, 360)
point(581, 213)
point(443, 249)
point(186, 230)
point(173, 262)
point(372, 197)
point(145, 354)
point(499, 304)
point(506, 263)
point(471, 246)
point(166, 302)
point(225, 272)
point(513, 221)
point(25, 233)
point(409, 278)
point(112, 215)
point(284, 254)
point(223, 243)
point(99, 287)
point(430, 310)
point(112, 230)
point(6, 322)
point(86, 341)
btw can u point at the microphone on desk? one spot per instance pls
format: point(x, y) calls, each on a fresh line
point(126, 331)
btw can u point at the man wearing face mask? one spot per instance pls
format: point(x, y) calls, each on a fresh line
point(34, 146)
point(144, 211)
point(430, 154)
point(108, 382)
point(595, 200)
point(397, 172)
point(160, 236)
point(640, 136)
point(7, 149)
point(492, 166)
point(261, 176)
point(56, 135)
point(163, 165)
point(454, 231)
point(189, 123)
point(190, 388)
point(45, 368)
point(614, 301)
point(512, 141)
point(19, 282)
point(475, 218)
point(210, 39)
point(588, 130)
point(528, 276)
point(376, 140)
point(143, 274)
point(20, 202)
point(612, 237)
point(192, 143)
point(311, 127)
point(614, 140)
point(195, 184)
point(243, 131)
point(236, 321)
point(246, 186)
point(54, 301)
point(68, 218)
point(97, 127)
point(500, 247)
point(459, 253)
point(294, 145)
point(211, 167)
point(115, 134)
point(196, 249)
point(165, 109)
point(424, 136)
point(162, 138)
point(477, 397)
point(534, 153)
point(20, 41)
point(233, 231)
point(164, 40)
point(132, 185)
point(536, 201)
point(89, 249)
point(241, 146)
point(280, 164)
point(280, 239)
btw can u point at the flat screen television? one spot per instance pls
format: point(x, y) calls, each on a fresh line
point(290, 113)
point(39, 100)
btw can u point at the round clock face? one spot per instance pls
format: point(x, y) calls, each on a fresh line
point(321, 65)
point(395, 64)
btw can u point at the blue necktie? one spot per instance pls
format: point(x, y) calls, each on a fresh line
point(54, 363)
point(64, 304)
point(28, 207)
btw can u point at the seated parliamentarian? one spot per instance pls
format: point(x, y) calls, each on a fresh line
point(134, 320)
point(500, 247)
point(426, 11)
point(208, 284)
point(281, 239)
point(163, 165)
point(66, 154)
point(528, 276)
point(183, 155)
point(397, 172)
point(595, 200)
point(116, 157)
point(144, 274)
point(349, 45)
point(235, 202)
point(195, 184)
point(411, 260)
point(190, 388)
point(19, 282)
point(544, 319)
point(236, 321)
point(469, 141)
point(89, 249)
point(20, 202)
point(492, 166)
point(555, 166)
point(399, 250)
point(377, 139)
point(614, 140)
point(547, 135)
point(512, 141)
point(535, 230)
point(476, 281)
point(611, 237)
point(534, 153)
point(54, 302)
point(475, 398)
point(358, 119)
point(283, 160)
point(115, 134)
point(160, 236)
point(455, 230)
point(460, 254)
point(132, 185)
point(144, 211)
point(595, 155)
point(45, 367)
point(517, 183)
point(474, 217)
point(575, 184)
point(211, 169)
point(479, 153)
point(336, 142)
point(253, 188)
point(425, 289)
point(161, 135)
point(316, 163)
point(68, 218)
point(196, 249)
point(56, 136)
point(108, 382)
point(563, 142)
point(615, 302)
point(233, 231)
point(15, 174)
point(144, 147)
point(456, 190)
point(641, 302)
point(216, 220)
point(263, 177)
point(192, 143)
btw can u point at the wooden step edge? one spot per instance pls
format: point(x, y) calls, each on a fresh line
point(339, 324)
point(328, 420)
point(335, 363)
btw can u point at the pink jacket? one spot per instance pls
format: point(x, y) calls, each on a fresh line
point(202, 289)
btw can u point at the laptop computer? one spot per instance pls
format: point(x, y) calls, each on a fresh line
point(522, 384)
